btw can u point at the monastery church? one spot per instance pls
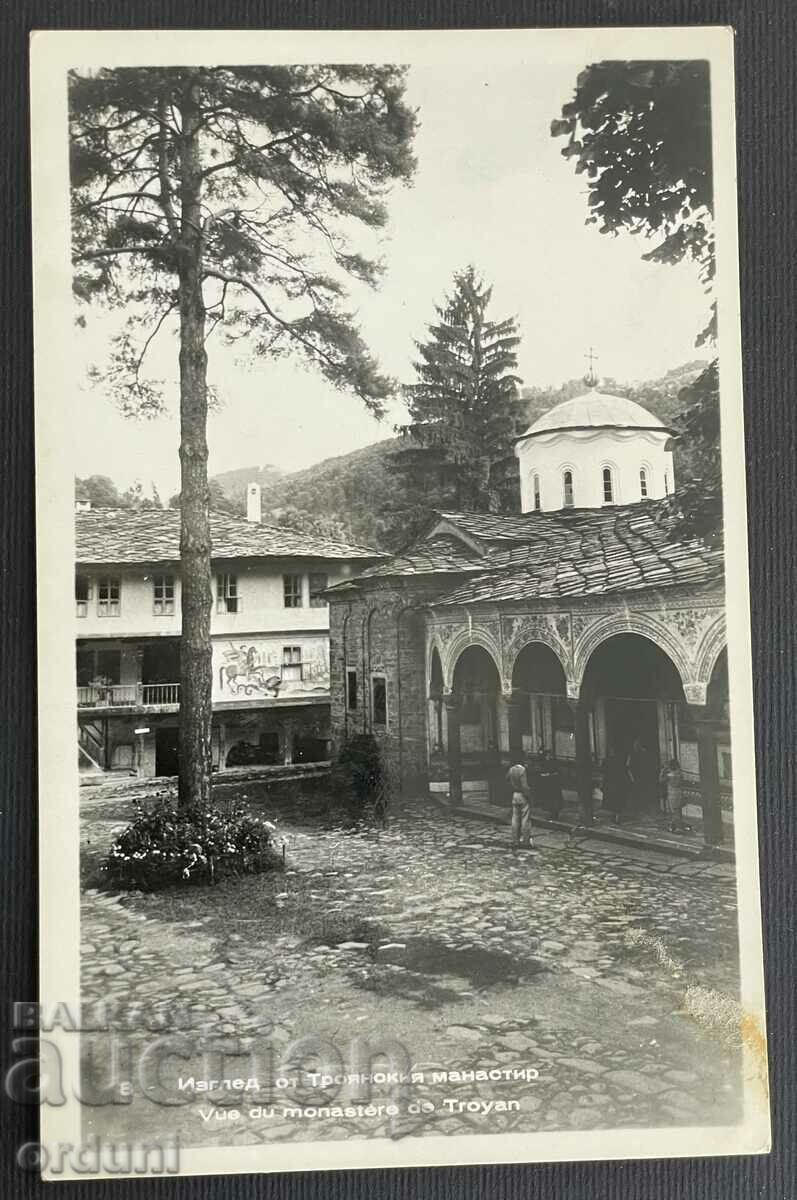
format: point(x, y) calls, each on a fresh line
point(580, 627)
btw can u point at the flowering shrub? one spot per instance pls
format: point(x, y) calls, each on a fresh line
point(166, 844)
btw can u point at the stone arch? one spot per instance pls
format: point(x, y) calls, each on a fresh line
point(548, 668)
point(537, 637)
point(460, 642)
point(714, 641)
point(647, 627)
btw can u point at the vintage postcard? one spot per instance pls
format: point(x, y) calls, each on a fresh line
point(397, 792)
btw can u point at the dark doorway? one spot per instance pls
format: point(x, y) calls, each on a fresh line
point(166, 750)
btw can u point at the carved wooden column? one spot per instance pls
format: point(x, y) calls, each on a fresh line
point(451, 701)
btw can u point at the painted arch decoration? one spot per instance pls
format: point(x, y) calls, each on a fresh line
point(589, 635)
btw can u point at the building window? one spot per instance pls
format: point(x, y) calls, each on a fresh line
point(666, 484)
point(608, 486)
point(109, 594)
point(567, 487)
point(292, 590)
point(163, 595)
point(291, 664)
point(643, 483)
point(227, 598)
point(535, 483)
point(351, 690)
point(82, 595)
point(319, 581)
point(379, 700)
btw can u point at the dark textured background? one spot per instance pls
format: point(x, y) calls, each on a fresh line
point(766, 69)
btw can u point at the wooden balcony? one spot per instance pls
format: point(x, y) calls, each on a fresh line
point(129, 696)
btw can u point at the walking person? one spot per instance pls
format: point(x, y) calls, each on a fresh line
point(616, 785)
point(521, 806)
point(672, 793)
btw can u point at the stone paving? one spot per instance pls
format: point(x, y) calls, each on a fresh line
point(577, 961)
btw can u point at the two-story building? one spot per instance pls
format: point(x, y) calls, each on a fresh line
point(269, 630)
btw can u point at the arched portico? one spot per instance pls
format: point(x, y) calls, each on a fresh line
point(540, 716)
point(476, 725)
point(633, 695)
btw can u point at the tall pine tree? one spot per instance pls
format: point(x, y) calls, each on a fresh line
point(465, 406)
point(225, 198)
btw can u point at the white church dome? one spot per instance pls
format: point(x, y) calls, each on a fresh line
point(594, 450)
point(595, 410)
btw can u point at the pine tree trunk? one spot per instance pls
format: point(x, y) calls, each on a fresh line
point(196, 680)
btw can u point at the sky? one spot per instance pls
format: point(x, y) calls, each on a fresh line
point(492, 189)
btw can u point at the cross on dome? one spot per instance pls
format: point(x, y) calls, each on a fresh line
point(591, 379)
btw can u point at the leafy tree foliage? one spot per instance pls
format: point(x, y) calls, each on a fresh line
point(465, 406)
point(319, 524)
point(102, 492)
point(697, 501)
point(99, 490)
point(226, 198)
point(641, 133)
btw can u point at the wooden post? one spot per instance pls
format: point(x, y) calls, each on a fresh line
point(451, 702)
point(515, 705)
point(583, 758)
point(287, 742)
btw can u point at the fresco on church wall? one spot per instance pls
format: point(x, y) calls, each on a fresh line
point(266, 668)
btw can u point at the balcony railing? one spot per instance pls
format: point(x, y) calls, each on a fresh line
point(128, 695)
point(160, 693)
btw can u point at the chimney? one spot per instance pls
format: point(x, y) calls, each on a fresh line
point(82, 506)
point(253, 512)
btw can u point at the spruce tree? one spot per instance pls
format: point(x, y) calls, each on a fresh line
point(465, 406)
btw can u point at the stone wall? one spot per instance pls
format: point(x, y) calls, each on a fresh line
point(379, 631)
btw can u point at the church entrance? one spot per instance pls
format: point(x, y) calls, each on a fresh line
point(634, 693)
point(632, 734)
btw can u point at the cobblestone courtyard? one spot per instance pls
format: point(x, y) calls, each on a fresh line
point(581, 960)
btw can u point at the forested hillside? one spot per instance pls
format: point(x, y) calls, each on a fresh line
point(362, 497)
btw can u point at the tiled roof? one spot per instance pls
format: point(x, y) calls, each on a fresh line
point(123, 535)
point(495, 526)
point(571, 553)
point(443, 554)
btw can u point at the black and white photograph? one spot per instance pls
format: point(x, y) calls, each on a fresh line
point(395, 705)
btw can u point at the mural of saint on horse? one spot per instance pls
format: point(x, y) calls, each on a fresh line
point(269, 669)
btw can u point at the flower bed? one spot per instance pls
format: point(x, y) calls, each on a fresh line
point(166, 845)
